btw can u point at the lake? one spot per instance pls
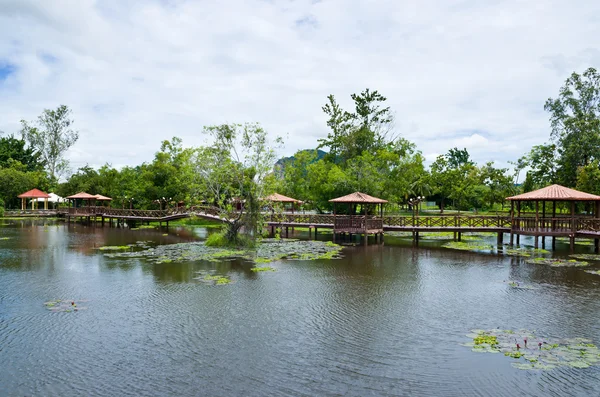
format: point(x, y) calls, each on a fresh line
point(385, 320)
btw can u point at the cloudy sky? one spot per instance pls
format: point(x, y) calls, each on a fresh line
point(463, 73)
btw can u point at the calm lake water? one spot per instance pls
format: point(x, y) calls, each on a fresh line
point(383, 321)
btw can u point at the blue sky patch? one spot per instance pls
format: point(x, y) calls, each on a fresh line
point(6, 69)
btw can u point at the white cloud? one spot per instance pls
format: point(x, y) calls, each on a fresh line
point(456, 73)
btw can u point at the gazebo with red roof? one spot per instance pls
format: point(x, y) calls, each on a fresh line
point(33, 194)
point(556, 226)
point(358, 223)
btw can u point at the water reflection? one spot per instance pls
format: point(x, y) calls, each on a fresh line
point(384, 320)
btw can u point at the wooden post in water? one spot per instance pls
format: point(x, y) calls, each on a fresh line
point(518, 222)
point(512, 222)
point(537, 223)
point(543, 224)
point(572, 237)
point(553, 227)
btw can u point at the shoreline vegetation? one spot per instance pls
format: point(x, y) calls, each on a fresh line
point(361, 152)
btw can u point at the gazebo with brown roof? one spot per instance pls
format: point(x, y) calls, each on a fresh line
point(100, 197)
point(555, 226)
point(81, 196)
point(280, 198)
point(33, 194)
point(358, 223)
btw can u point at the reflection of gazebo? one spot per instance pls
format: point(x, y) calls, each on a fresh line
point(537, 226)
point(361, 223)
point(280, 198)
point(33, 194)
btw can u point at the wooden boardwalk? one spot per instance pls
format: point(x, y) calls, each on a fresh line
point(571, 227)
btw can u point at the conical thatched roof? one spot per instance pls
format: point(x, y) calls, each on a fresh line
point(82, 195)
point(358, 197)
point(280, 198)
point(34, 193)
point(555, 193)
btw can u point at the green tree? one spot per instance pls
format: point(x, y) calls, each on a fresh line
point(542, 163)
point(14, 149)
point(575, 123)
point(588, 178)
point(51, 136)
point(246, 148)
point(367, 129)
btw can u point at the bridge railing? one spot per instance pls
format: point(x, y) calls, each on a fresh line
point(467, 221)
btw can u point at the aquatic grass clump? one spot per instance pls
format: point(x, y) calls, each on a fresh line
point(268, 250)
point(114, 248)
point(213, 279)
point(557, 262)
point(64, 305)
point(534, 352)
point(596, 272)
point(518, 284)
point(586, 257)
point(263, 269)
point(459, 245)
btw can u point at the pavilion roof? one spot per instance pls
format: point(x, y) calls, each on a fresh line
point(280, 198)
point(358, 197)
point(100, 197)
point(82, 195)
point(34, 193)
point(555, 193)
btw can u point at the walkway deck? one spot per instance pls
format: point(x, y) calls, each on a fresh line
point(577, 227)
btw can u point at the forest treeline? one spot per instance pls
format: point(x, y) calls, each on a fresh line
point(361, 152)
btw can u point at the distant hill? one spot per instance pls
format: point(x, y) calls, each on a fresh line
point(281, 163)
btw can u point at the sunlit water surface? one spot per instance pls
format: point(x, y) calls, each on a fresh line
point(383, 321)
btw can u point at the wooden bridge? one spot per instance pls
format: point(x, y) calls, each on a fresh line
point(562, 226)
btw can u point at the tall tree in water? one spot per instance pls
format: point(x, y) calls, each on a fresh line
point(240, 162)
point(51, 135)
point(575, 122)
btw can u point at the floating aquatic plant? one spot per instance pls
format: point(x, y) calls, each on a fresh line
point(459, 245)
point(518, 284)
point(534, 352)
point(557, 262)
point(114, 248)
point(586, 257)
point(267, 251)
point(263, 269)
point(64, 305)
point(213, 279)
point(596, 272)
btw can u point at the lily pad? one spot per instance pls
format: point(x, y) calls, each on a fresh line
point(557, 262)
point(213, 279)
point(462, 246)
point(267, 251)
point(263, 269)
point(518, 284)
point(586, 257)
point(64, 305)
point(114, 248)
point(534, 352)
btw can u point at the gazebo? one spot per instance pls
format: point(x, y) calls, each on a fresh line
point(102, 198)
point(541, 226)
point(33, 194)
point(53, 199)
point(83, 196)
point(280, 198)
point(364, 223)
